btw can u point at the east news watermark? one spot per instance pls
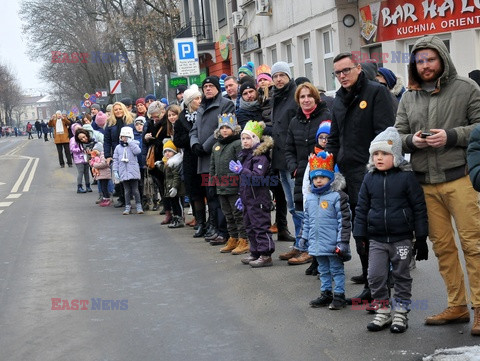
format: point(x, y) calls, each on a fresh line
point(93, 304)
point(93, 57)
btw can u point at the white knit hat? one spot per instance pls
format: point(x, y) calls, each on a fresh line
point(191, 93)
point(388, 141)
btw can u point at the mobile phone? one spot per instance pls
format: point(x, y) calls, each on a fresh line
point(425, 134)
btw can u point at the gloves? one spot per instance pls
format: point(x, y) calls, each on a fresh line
point(235, 167)
point(420, 248)
point(198, 150)
point(302, 243)
point(361, 245)
point(172, 192)
point(343, 251)
point(239, 204)
point(116, 175)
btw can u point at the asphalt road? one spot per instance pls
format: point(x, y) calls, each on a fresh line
point(174, 297)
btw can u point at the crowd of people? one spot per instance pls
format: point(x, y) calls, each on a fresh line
point(239, 149)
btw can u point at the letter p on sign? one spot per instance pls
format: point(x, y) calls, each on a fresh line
point(186, 50)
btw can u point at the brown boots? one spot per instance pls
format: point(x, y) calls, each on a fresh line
point(236, 246)
point(168, 218)
point(476, 322)
point(454, 314)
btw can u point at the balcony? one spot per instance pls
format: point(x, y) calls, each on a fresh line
point(203, 32)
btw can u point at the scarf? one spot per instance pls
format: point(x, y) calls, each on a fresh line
point(59, 126)
point(323, 189)
point(191, 117)
point(249, 106)
point(125, 153)
point(308, 112)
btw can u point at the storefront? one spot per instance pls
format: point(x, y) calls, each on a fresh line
point(388, 30)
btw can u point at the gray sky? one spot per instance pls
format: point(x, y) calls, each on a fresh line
point(13, 47)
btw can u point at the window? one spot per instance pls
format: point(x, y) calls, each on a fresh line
point(273, 55)
point(375, 52)
point(221, 13)
point(328, 60)
point(289, 55)
point(307, 59)
point(258, 58)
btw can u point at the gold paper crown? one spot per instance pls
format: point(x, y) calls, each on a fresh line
point(227, 119)
point(254, 127)
point(263, 69)
point(321, 161)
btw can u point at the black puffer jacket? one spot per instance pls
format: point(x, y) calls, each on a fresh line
point(358, 116)
point(391, 206)
point(301, 139)
point(284, 109)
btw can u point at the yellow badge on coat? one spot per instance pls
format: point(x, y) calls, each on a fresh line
point(324, 204)
point(217, 148)
point(363, 104)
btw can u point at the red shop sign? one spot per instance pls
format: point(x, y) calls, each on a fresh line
point(396, 19)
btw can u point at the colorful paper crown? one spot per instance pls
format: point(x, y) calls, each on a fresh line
point(321, 165)
point(263, 69)
point(229, 120)
point(254, 127)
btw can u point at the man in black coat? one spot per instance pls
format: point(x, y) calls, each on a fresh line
point(362, 109)
point(284, 109)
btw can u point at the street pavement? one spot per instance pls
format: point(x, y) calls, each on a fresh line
point(173, 297)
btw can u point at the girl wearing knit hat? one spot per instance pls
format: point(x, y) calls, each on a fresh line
point(171, 167)
point(253, 167)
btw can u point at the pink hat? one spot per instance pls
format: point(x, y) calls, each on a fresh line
point(264, 76)
point(101, 119)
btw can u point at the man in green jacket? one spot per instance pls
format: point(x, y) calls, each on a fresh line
point(435, 119)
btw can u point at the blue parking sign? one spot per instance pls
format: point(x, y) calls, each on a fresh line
point(186, 50)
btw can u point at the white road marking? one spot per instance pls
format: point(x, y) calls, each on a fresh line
point(26, 187)
point(22, 176)
point(16, 195)
point(1, 211)
point(5, 204)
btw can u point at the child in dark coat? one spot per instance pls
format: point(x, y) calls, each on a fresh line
point(227, 148)
point(391, 207)
point(253, 166)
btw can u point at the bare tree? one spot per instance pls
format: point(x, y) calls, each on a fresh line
point(10, 94)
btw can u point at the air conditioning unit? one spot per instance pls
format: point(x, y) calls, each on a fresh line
point(263, 7)
point(237, 17)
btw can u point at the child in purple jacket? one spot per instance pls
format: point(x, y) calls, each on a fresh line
point(253, 167)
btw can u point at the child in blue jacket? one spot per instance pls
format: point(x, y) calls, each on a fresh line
point(327, 227)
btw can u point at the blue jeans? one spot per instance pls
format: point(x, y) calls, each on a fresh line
point(288, 185)
point(331, 267)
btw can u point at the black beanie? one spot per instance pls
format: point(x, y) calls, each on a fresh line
point(247, 85)
point(212, 79)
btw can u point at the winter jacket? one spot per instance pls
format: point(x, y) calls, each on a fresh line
point(327, 219)
point(454, 106)
point(152, 127)
point(391, 206)
point(473, 158)
point(284, 109)
point(358, 117)
point(244, 115)
point(77, 152)
point(102, 166)
point(112, 137)
point(94, 134)
point(127, 170)
point(172, 171)
point(256, 165)
point(301, 139)
point(59, 138)
point(225, 150)
point(139, 138)
point(206, 123)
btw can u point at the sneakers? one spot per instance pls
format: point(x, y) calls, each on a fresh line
point(454, 314)
point(99, 200)
point(80, 189)
point(139, 209)
point(218, 241)
point(105, 202)
point(290, 254)
point(262, 261)
point(242, 247)
point(248, 259)
point(338, 301)
point(127, 211)
point(383, 319)
point(324, 300)
point(230, 246)
point(476, 322)
point(87, 188)
point(303, 258)
point(399, 321)
point(177, 222)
